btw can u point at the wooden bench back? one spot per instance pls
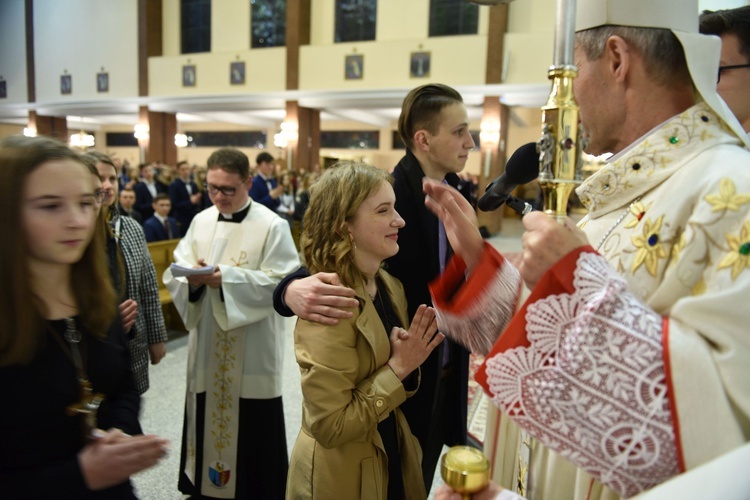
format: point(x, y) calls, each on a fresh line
point(162, 254)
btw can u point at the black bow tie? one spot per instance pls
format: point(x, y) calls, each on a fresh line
point(236, 217)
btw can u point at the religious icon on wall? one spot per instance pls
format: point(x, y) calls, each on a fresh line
point(188, 75)
point(66, 84)
point(237, 73)
point(3, 89)
point(102, 82)
point(354, 67)
point(419, 66)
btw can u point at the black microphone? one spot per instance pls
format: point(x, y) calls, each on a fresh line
point(522, 167)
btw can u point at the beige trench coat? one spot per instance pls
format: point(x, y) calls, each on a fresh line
point(347, 389)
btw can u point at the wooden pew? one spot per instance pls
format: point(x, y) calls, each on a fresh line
point(162, 254)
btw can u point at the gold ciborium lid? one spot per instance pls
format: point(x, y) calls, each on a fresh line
point(465, 469)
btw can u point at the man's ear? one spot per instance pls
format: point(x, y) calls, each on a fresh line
point(422, 140)
point(619, 54)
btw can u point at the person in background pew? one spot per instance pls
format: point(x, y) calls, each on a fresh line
point(126, 207)
point(161, 226)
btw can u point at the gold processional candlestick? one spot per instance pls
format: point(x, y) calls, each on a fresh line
point(560, 146)
point(466, 470)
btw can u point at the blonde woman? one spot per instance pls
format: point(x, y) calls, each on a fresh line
point(355, 442)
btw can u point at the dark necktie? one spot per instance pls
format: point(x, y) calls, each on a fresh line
point(167, 229)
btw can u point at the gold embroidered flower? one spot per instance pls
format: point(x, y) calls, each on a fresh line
point(727, 199)
point(677, 249)
point(699, 288)
point(650, 248)
point(638, 210)
point(738, 257)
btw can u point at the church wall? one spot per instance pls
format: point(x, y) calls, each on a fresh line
point(81, 37)
point(12, 58)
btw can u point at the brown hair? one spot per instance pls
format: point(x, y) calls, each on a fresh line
point(100, 157)
point(334, 199)
point(661, 51)
point(729, 22)
point(230, 160)
point(421, 110)
point(22, 312)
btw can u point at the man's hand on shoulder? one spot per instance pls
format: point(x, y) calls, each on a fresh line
point(320, 298)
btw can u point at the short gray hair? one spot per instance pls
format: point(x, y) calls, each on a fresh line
point(662, 52)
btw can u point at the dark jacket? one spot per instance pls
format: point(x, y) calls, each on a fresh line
point(155, 231)
point(40, 443)
point(183, 210)
point(144, 200)
point(133, 214)
point(259, 192)
point(437, 413)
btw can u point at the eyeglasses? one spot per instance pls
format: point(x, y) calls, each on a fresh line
point(724, 68)
point(226, 191)
point(100, 195)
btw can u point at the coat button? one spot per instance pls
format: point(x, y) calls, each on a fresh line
point(379, 403)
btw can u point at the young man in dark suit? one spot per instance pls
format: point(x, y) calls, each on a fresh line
point(435, 127)
point(265, 189)
point(146, 190)
point(185, 197)
point(161, 227)
point(126, 206)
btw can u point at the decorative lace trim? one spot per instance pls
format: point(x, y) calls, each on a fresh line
point(592, 385)
point(479, 325)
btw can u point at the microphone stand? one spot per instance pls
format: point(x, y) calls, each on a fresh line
point(560, 147)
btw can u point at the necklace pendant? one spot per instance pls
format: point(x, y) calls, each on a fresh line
point(88, 406)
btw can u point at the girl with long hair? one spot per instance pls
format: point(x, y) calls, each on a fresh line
point(64, 365)
point(355, 442)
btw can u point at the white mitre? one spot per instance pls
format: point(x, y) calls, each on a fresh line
point(701, 51)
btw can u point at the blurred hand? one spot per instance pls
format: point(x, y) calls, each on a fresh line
point(157, 352)
point(128, 313)
point(276, 192)
point(489, 493)
point(459, 219)
point(544, 243)
point(114, 456)
point(320, 298)
point(410, 349)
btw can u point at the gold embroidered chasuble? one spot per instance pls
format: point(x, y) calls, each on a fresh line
point(669, 300)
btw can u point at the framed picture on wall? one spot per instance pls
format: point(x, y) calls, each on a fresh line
point(354, 66)
point(188, 75)
point(419, 66)
point(102, 82)
point(3, 89)
point(66, 84)
point(237, 73)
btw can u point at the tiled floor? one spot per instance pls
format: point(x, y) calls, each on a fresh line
point(163, 404)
